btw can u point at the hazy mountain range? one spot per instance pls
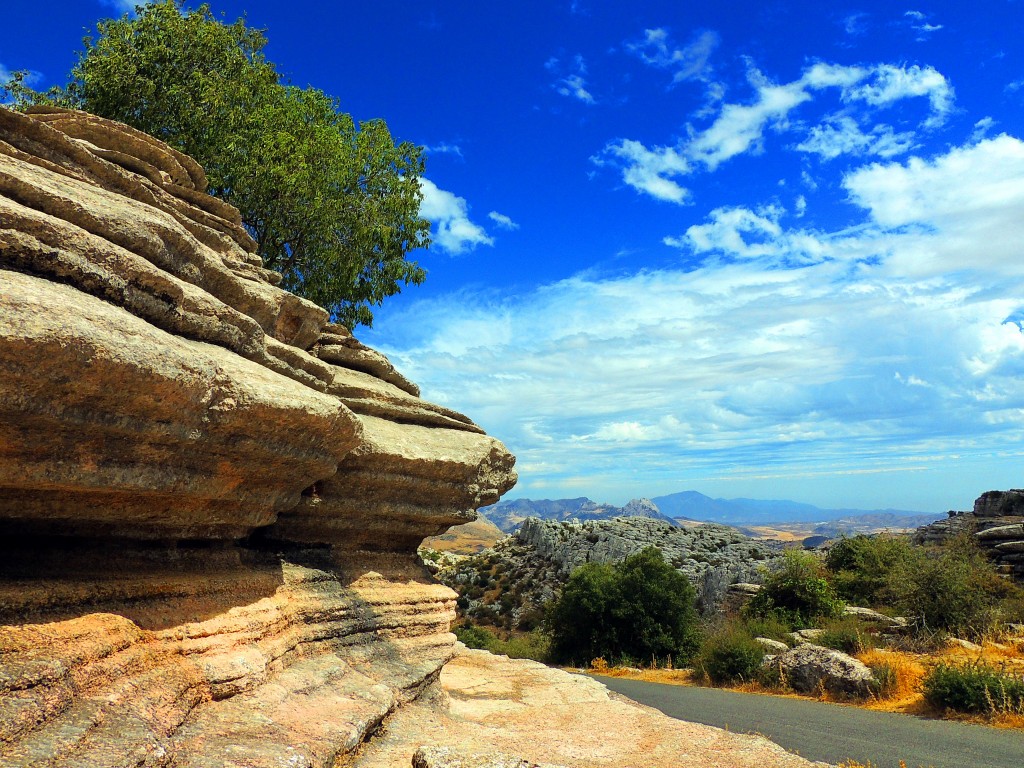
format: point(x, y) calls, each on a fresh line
point(692, 505)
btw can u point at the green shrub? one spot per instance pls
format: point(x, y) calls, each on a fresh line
point(847, 634)
point(641, 608)
point(974, 688)
point(860, 566)
point(769, 626)
point(730, 655)
point(953, 588)
point(797, 594)
point(884, 679)
point(475, 637)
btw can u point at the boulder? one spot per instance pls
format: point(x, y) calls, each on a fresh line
point(810, 668)
point(775, 646)
point(867, 614)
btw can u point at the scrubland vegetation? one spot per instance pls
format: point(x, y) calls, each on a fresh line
point(959, 653)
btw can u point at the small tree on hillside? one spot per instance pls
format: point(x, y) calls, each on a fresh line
point(641, 608)
point(798, 593)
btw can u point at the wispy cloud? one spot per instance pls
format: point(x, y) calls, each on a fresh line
point(788, 350)
point(688, 62)
point(502, 221)
point(920, 24)
point(571, 81)
point(740, 128)
point(843, 136)
point(453, 230)
point(444, 148)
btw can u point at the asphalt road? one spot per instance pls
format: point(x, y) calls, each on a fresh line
point(834, 733)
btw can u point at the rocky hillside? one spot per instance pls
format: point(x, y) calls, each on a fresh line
point(509, 515)
point(997, 524)
point(509, 584)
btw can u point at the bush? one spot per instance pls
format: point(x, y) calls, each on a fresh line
point(641, 608)
point(953, 588)
point(975, 688)
point(860, 566)
point(475, 637)
point(847, 635)
point(798, 594)
point(730, 655)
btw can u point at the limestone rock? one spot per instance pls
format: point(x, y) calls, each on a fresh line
point(808, 668)
point(112, 426)
point(868, 614)
point(210, 497)
point(491, 704)
point(997, 523)
point(774, 646)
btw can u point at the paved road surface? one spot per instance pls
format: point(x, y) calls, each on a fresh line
point(833, 733)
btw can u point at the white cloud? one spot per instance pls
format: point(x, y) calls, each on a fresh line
point(502, 221)
point(690, 62)
point(572, 83)
point(740, 128)
point(648, 170)
point(842, 136)
point(889, 84)
point(453, 230)
point(798, 352)
point(444, 148)
point(918, 22)
point(5, 74)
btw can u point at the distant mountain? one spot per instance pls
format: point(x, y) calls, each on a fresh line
point(509, 515)
point(697, 506)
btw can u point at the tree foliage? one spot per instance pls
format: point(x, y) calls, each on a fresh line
point(333, 206)
point(861, 566)
point(641, 608)
point(798, 593)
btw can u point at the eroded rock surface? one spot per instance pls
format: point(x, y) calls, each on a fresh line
point(525, 711)
point(210, 496)
point(997, 524)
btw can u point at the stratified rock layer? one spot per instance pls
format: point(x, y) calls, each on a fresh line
point(210, 496)
point(996, 522)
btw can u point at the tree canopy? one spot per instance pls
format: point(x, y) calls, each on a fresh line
point(333, 206)
point(639, 608)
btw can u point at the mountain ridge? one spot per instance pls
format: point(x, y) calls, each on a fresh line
point(693, 506)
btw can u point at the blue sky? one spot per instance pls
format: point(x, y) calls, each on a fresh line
point(764, 249)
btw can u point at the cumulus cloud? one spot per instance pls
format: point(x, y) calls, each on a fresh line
point(688, 62)
point(650, 171)
point(453, 230)
point(502, 221)
point(740, 128)
point(792, 351)
point(571, 81)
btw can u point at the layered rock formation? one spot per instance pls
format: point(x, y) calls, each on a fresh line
point(510, 583)
point(997, 524)
point(210, 496)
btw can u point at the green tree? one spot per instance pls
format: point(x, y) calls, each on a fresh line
point(798, 593)
point(332, 206)
point(861, 566)
point(641, 608)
